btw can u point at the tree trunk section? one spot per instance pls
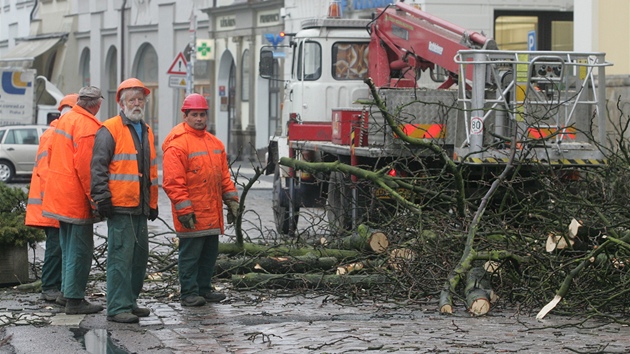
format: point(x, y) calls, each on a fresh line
point(299, 264)
point(312, 281)
point(477, 291)
point(252, 249)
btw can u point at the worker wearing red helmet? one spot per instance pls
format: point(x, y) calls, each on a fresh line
point(51, 269)
point(125, 189)
point(197, 181)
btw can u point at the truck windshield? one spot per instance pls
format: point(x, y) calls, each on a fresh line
point(309, 61)
point(350, 61)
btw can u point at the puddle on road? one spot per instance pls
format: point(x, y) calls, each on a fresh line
point(96, 341)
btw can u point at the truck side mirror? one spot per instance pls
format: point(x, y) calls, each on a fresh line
point(265, 66)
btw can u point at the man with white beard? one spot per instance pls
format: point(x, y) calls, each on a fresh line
point(124, 186)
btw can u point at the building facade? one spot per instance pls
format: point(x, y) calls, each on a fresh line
point(102, 42)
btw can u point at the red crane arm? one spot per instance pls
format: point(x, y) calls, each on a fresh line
point(406, 41)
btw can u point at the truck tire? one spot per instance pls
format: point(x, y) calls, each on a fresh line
point(7, 172)
point(338, 203)
point(280, 205)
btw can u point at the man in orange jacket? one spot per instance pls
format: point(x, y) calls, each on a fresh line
point(125, 189)
point(197, 181)
point(67, 196)
point(51, 269)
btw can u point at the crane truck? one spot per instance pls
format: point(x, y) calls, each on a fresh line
point(553, 103)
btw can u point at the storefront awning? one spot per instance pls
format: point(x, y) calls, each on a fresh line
point(27, 51)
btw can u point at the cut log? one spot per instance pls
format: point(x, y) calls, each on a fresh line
point(446, 302)
point(364, 239)
point(349, 268)
point(400, 257)
point(313, 281)
point(574, 227)
point(478, 302)
point(301, 264)
point(253, 249)
point(477, 291)
point(557, 242)
point(491, 266)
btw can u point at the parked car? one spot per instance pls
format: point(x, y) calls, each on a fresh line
point(18, 150)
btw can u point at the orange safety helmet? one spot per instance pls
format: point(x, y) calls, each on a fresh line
point(131, 83)
point(194, 101)
point(69, 100)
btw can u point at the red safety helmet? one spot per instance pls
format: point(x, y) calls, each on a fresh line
point(69, 100)
point(194, 101)
point(131, 83)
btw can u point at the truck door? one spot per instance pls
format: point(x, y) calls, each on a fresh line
point(301, 96)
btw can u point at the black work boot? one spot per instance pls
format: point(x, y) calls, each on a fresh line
point(61, 300)
point(81, 306)
point(214, 297)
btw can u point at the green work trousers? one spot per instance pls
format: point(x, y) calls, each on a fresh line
point(77, 247)
point(51, 270)
point(127, 257)
point(197, 257)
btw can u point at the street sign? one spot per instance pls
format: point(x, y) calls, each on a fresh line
point(179, 65)
point(205, 49)
point(177, 81)
point(531, 40)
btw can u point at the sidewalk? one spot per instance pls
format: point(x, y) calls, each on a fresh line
point(249, 322)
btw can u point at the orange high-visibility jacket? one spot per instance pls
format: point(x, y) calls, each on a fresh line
point(34, 215)
point(67, 187)
point(124, 177)
point(196, 179)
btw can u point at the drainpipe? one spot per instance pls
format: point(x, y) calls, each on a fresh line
point(122, 41)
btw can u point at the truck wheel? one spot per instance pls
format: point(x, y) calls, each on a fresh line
point(280, 205)
point(338, 203)
point(7, 172)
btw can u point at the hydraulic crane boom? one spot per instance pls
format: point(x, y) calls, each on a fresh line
point(406, 41)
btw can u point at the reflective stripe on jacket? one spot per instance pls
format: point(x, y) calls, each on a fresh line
point(34, 215)
point(196, 179)
point(67, 187)
point(123, 168)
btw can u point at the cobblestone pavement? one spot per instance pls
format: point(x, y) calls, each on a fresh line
point(251, 322)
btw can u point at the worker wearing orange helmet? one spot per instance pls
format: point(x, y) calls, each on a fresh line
point(197, 181)
point(67, 196)
point(125, 189)
point(68, 102)
point(51, 269)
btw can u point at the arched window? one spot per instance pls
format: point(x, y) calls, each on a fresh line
point(145, 68)
point(245, 70)
point(112, 81)
point(85, 67)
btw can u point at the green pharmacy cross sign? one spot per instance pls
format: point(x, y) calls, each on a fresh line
point(204, 49)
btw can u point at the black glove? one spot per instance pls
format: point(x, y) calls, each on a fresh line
point(153, 214)
point(105, 208)
point(188, 220)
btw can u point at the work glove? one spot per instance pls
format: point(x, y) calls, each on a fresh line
point(232, 211)
point(188, 220)
point(153, 214)
point(105, 208)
